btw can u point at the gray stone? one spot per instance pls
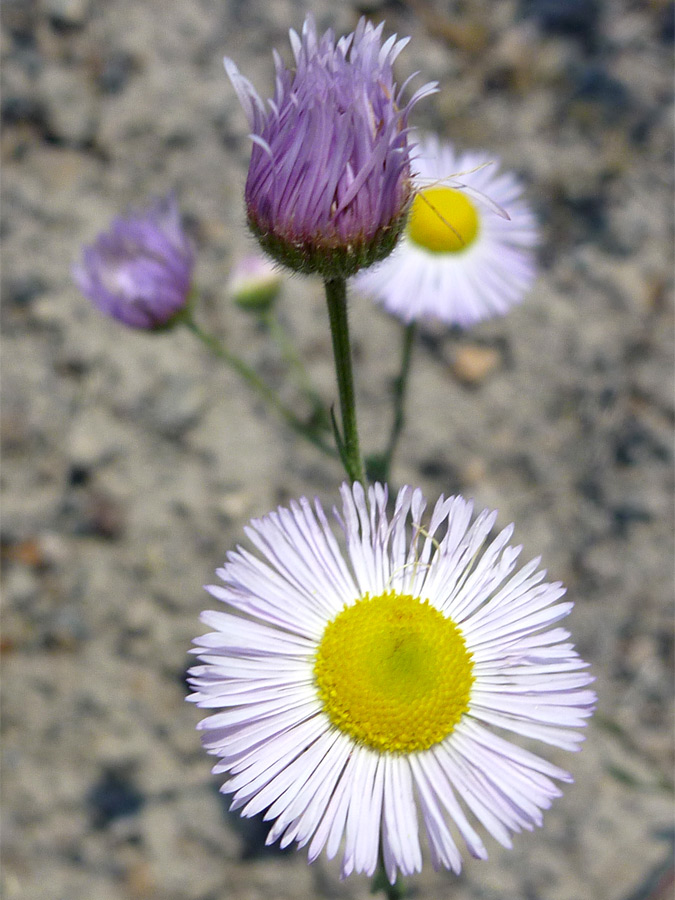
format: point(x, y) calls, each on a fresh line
point(177, 405)
point(71, 107)
point(68, 13)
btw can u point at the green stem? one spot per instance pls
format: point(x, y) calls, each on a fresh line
point(348, 441)
point(379, 465)
point(251, 377)
point(400, 388)
point(395, 891)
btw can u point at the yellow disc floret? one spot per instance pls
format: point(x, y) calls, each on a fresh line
point(394, 673)
point(443, 220)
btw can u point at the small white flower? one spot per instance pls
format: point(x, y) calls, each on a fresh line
point(354, 690)
point(255, 283)
point(460, 260)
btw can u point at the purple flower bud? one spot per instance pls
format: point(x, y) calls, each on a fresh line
point(329, 182)
point(140, 271)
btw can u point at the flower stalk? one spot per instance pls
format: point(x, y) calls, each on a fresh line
point(348, 439)
point(293, 360)
point(251, 377)
point(380, 883)
point(378, 466)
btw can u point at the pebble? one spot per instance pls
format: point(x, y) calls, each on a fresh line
point(23, 109)
point(472, 364)
point(114, 71)
point(70, 106)
point(68, 13)
point(94, 440)
point(177, 405)
point(473, 472)
point(576, 18)
point(22, 291)
point(103, 516)
point(235, 505)
point(595, 87)
point(114, 796)
point(21, 586)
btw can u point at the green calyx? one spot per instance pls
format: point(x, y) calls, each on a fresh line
point(330, 260)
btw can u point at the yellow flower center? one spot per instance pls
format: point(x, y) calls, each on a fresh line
point(443, 220)
point(394, 673)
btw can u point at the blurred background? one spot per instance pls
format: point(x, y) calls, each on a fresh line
point(131, 462)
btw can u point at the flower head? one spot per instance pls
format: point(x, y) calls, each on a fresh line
point(459, 261)
point(254, 283)
point(139, 271)
point(329, 180)
point(356, 690)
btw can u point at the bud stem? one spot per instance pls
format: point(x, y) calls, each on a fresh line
point(348, 446)
point(251, 377)
point(291, 357)
point(378, 465)
point(400, 387)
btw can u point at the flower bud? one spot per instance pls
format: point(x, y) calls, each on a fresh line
point(140, 271)
point(255, 283)
point(329, 183)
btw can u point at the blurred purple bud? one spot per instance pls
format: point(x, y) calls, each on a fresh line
point(140, 271)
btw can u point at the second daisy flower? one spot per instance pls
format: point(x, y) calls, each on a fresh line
point(459, 262)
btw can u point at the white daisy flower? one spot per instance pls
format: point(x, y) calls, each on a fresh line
point(360, 692)
point(460, 259)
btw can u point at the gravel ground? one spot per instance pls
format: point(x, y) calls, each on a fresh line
point(132, 462)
